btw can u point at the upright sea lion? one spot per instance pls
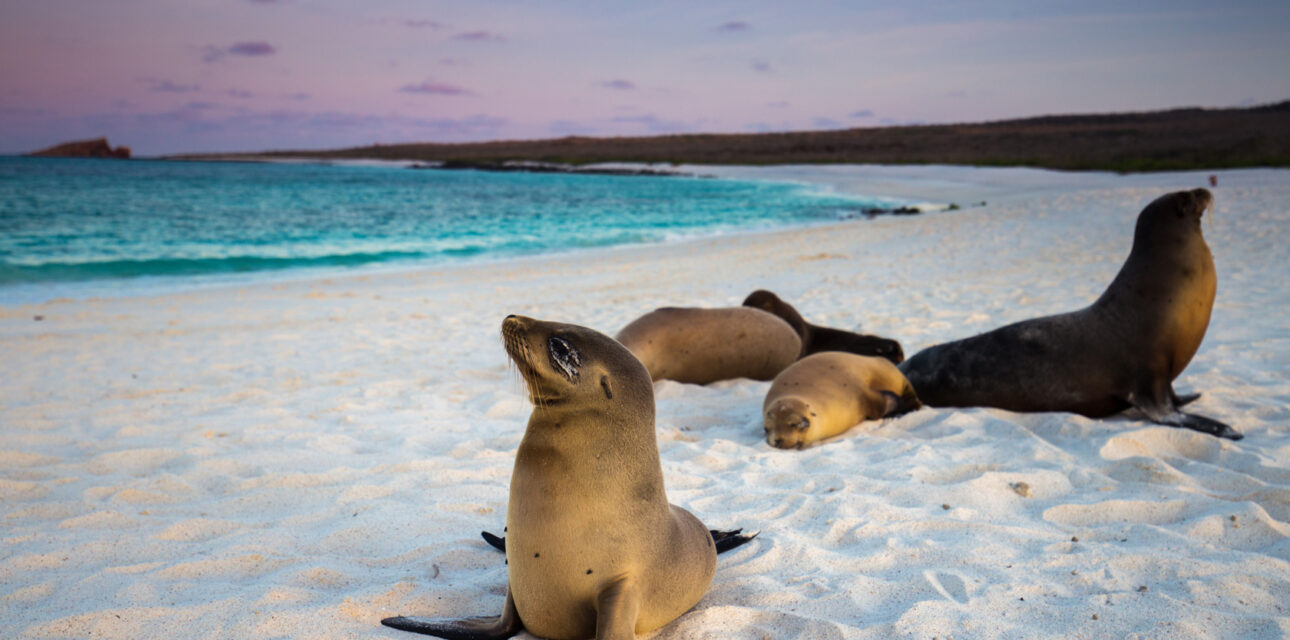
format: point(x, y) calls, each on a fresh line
point(816, 338)
point(827, 393)
point(593, 548)
point(701, 346)
point(1122, 351)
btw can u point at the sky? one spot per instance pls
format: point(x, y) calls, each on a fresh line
point(173, 76)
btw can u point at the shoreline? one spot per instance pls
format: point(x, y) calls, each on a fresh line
point(162, 284)
point(931, 189)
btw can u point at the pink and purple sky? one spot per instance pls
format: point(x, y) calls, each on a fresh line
point(169, 76)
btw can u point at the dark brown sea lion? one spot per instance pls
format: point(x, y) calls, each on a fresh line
point(593, 548)
point(816, 338)
point(1122, 351)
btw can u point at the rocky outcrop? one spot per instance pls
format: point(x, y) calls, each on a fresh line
point(96, 148)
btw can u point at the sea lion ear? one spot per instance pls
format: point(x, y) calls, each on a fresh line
point(604, 384)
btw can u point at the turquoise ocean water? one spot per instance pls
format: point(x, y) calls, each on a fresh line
point(84, 227)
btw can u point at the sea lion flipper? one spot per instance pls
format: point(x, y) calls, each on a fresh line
point(480, 628)
point(494, 541)
point(727, 540)
point(1210, 426)
point(1160, 409)
point(1185, 399)
point(616, 610)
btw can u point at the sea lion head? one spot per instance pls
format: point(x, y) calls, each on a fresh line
point(881, 347)
point(1173, 216)
point(569, 365)
point(772, 304)
point(787, 422)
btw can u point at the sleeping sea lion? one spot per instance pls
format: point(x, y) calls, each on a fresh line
point(825, 394)
point(701, 346)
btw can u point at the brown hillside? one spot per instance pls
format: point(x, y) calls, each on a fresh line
point(1147, 141)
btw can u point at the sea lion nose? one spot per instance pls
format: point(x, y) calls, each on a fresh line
point(513, 322)
point(1204, 199)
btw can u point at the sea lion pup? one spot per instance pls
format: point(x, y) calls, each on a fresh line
point(827, 393)
point(593, 547)
point(816, 338)
point(1122, 351)
point(701, 346)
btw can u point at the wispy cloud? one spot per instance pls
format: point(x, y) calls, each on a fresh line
point(256, 48)
point(761, 65)
point(435, 88)
point(653, 124)
point(825, 123)
point(423, 24)
point(213, 118)
point(25, 112)
point(767, 127)
point(240, 94)
point(570, 128)
point(625, 85)
point(167, 86)
point(212, 53)
point(863, 113)
point(479, 36)
point(734, 26)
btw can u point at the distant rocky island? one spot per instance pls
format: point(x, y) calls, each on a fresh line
point(95, 148)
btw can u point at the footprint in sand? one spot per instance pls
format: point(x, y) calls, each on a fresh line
point(948, 585)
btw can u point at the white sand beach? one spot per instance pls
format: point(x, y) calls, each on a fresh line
point(302, 459)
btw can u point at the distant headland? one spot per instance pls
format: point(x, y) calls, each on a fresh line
point(1173, 140)
point(94, 148)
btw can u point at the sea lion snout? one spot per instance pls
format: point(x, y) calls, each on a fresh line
point(1203, 199)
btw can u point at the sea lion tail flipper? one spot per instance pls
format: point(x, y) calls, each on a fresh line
point(494, 541)
point(900, 405)
point(727, 540)
point(480, 628)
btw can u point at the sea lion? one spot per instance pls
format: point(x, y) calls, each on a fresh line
point(1122, 351)
point(816, 338)
point(701, 346)
point(724, 540)
point(827, 393)
point(593, 548)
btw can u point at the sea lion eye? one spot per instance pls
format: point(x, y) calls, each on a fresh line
point(565, 358)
